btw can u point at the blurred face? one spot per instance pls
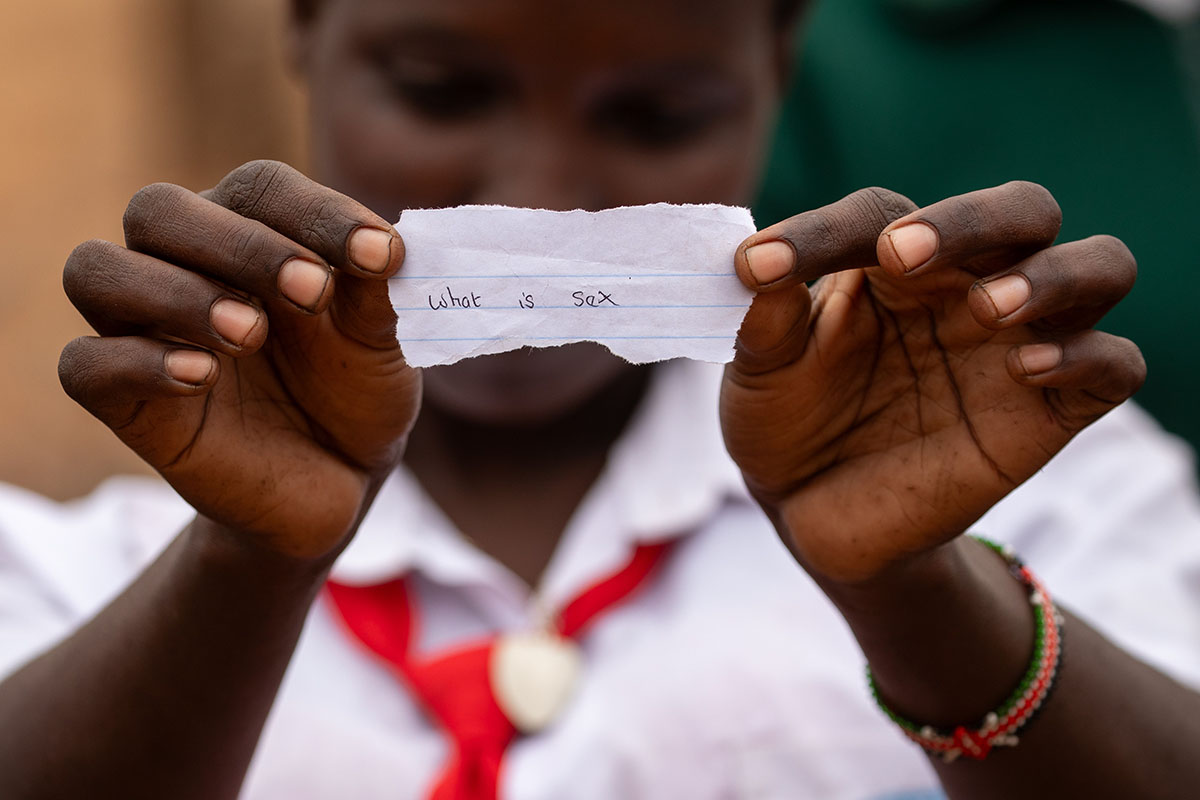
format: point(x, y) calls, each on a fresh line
point(556, 104)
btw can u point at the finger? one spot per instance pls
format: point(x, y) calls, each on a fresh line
point(981, 231)
point(1093, 371)
point(1064, 288)
point(154, 395)
point(803, 248)
point(121, 292)
point(112, 377)
point(774, 332)
point(178, 226)
point(345, 233)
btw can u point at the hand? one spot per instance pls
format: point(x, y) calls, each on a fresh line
point(247, 351)
point(942, 358)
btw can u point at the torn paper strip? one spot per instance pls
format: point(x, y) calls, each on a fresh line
point(650, 283)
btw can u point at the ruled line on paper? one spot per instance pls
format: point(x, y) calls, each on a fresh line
point(577, 308)
point(565, 275)
point(662, 276)
point(577, 337)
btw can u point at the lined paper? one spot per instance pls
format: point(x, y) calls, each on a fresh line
point(650, 283)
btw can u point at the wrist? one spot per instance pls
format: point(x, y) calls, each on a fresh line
point(941, 572)
point(947, 635)
point(232, 554)
point(291, 555)
point(1001, 726)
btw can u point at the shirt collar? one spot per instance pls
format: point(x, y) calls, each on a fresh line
point(665, 476)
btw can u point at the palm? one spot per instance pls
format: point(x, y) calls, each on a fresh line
point(288, 439)
point(911, 426)
point(881, 415)
point(282, 284)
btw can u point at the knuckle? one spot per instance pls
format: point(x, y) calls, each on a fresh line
point(93, 250)
point(1125, 366)
point(1118, 259)
point(1040, 203)
point(969, 215)
point(148, 206)
point(246, 247)
point(90, 273)
point(856, 220)
point(247, 187)
point(1057, 266)
point(1055, 277)
point(1120, 367)
point(323, 219)
point(83, 262)
point(76, 368)
point(886, 205)
point(819, 230)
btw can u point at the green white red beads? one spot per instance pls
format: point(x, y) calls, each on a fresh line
point(998, 728)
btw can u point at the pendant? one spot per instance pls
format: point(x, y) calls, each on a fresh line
point(533, 675)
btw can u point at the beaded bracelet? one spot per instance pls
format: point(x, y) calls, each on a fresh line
point(998, 728)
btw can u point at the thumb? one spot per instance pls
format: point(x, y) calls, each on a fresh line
point(362, 310)
point(774, 332)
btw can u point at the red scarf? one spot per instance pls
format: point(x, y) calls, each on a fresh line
point(455, 686)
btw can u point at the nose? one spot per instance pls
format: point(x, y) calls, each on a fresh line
point(541, 166)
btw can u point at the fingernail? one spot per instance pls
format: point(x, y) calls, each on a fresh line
point(189, 366)
point(1007, 294)
point(1039, 358)
point(233, 321)
point(370, 249)
point(770, 261)
point(914, 244)
point(303, 282)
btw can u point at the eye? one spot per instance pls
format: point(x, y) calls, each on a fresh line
point(658, 120)
point(443, 92)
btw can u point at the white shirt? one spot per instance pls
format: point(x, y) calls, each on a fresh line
point(729, 676)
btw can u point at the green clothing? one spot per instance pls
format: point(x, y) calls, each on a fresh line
point(1085, 98)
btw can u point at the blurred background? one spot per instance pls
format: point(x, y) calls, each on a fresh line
point(1098, 100)
point(99, 98)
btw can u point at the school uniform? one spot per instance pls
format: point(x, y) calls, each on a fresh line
point(727, 674)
